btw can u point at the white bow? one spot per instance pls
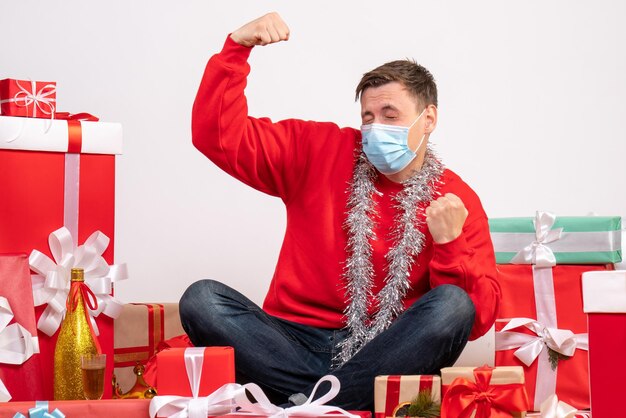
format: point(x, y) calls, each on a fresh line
point(530, 346)
point(52, 283)
point(553, 408)
point(17, 344)
point(310, 408)
point(537, 252)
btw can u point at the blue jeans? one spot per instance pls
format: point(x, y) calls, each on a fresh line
point(286, 358)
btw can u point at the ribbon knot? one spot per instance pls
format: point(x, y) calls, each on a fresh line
point(17, 344)
point(538, 252)
point(484, 397)
point(51, 284)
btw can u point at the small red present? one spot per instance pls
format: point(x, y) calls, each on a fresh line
point(20, 369)
point(63, 176)
point(214, 365)
point(483, 392)
point(33, 99)
point(604, 296)
point(392, 391)
point(137, 408)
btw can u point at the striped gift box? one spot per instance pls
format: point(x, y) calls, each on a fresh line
point(391, 391)
point(138, 331)
point(568, 239)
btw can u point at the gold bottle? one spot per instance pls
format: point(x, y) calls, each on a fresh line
point(75, 339)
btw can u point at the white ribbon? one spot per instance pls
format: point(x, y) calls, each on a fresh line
point(530, 346)
point(225, 399)
point(5, 396)
point(39, 99)
point(553, 408)
point(537, 252)
point(310, 408)
point(52, 283)
point(17, 344)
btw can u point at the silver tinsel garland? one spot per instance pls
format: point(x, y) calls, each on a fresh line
point(418, 191)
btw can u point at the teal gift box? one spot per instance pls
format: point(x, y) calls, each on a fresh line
point(547, 240)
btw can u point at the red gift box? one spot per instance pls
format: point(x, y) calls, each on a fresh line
point(22, 380)
point(34, 99)
point(604, 296)
point(483, 392)
point(43, 191)
point(391, 391)
point(552, 299)
point(135, 408)
point(218, 368)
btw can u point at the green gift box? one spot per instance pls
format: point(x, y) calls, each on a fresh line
point(547, 240)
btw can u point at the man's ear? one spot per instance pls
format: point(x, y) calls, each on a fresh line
point(431, 118)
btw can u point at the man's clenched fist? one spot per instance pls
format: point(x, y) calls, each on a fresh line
point(445, 218)
point(265, 30)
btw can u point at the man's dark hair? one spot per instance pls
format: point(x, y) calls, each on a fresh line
point(419, 82)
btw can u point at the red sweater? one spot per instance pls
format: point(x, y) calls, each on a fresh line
point(309, 166)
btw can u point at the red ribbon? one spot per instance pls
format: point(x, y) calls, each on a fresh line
point(495, 401)
point(89, 297)
point(91, 302)
point(87, 117)
point(74, 129)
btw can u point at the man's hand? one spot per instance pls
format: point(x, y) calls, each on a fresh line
point(445, 218)
point(265, 30)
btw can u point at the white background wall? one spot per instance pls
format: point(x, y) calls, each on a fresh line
point(532, 109)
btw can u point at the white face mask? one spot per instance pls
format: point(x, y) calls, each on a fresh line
point(386, 146)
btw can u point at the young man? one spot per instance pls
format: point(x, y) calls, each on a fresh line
point(387, 266)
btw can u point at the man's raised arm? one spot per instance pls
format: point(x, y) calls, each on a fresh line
point(255, 151)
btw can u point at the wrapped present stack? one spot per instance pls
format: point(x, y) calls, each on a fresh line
point(141, 330)
point(57, 182)
point(542, 327)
